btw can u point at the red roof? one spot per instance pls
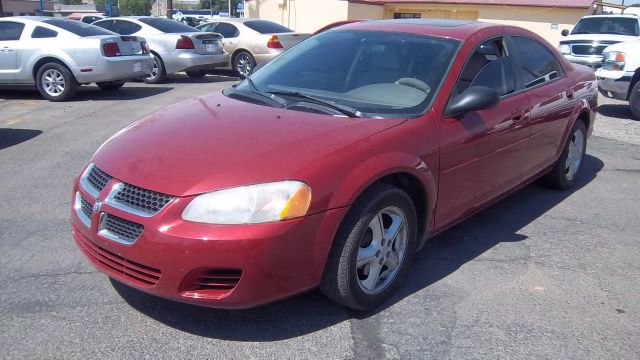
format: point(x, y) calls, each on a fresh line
point(580, 4)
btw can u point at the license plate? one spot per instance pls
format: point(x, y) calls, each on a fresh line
point(210, 47)
point(137, 66)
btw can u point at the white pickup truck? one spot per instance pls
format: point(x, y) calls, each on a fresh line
point(592, 34)
point(618, 77)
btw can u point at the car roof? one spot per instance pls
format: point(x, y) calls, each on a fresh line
point(455, 29)
point(634, 16)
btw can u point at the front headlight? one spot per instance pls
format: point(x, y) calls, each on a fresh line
point(251, 204)
point(614, 60)
point(565, 49)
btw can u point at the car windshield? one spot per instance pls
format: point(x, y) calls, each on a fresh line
point(266, 27)
point(78, 28)
point(167, 26)
point(377, 74)
point(607, 25)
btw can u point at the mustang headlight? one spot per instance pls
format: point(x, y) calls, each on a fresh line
point(251, 204)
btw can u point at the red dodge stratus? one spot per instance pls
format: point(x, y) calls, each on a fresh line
point(332, 165)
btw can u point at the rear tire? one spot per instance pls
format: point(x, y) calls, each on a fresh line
point(110, 85)
point(366, 262)
point(634, 101)
point(244, 63)
point(565, 171)
point(158, 73)
point(196, 74)
point(55, 82)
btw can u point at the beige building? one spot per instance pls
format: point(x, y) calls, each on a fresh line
point(545, 17)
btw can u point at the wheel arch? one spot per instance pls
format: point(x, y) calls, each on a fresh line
point(634, 80)
point(45, 60)
point(236, 52)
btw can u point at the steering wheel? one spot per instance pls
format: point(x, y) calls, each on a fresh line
point(414, 83)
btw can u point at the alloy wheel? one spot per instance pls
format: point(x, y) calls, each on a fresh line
point(574, 157)
point(244, 64)
point(382, 250)
point(53, 82)
point(154, 70)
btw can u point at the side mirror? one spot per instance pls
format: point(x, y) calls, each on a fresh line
point(564, 32)
point(473, 99)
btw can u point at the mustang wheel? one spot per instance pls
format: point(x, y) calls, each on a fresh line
point(372, 250)
point(157, 74)
point(564, 173)
point(55, 82)
point(244, 63)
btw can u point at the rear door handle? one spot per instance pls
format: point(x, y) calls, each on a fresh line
point(517, 115)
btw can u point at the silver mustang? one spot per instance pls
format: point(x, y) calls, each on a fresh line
point(58, 55)
point(175, 46)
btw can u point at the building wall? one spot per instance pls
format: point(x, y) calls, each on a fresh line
point(24, 7)
point(361, 11)
point(545, 21)
point(299, 15)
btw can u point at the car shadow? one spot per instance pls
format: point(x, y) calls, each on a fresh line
point(212, 77)
point(11, 137)
point(618, 111)
point(310, 312)
point(92, 93)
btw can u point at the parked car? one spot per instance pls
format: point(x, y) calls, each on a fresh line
point(335, 24)
point(252, 41)
point(618, 77)
point(86, 17)
point(57, 55)
point(174, 46)
point(333, 164)
point(592, 34)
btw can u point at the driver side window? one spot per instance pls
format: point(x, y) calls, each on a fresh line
point(489, 65)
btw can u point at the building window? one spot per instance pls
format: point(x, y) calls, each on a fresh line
point(406, 15)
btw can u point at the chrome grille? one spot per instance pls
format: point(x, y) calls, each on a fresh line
point(86, 207)
point(98, 178)
point(588, 49)
point(140, 199)
point(124, 229)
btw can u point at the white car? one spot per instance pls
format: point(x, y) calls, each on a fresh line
point(619, 75)
point(175, 46)
point(58, 55)
point(592, 34)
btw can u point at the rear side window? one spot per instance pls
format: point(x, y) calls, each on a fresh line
point(537, 64)
point(40, 33)
point(266, 27)
point(78, 28)
point(10, 30)
point(124, 27)
point(167, 26)
point(227, 30)
point(90, 19)
point(105, 24)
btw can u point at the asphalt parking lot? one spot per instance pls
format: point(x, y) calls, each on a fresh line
point(542, 274)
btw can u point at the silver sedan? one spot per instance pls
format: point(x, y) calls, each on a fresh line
point(175, 46)
point(57, 55)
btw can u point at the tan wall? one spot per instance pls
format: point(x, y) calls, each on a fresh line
point(361, 11)
point(538, 20)
point(16, 7)
point(299, 15)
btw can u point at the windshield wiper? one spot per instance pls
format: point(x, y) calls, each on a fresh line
point(273, 99)
point(344, 109)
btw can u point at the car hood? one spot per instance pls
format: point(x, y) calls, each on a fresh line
point(622, 46)
point(214, 142)
point(597, 38)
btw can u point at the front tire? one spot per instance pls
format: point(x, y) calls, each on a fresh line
point(55, 82)
point(158, 73)
point(565, 171)
point(110, 85)
point(634, 101)
point(244, 63)
point(372, 250)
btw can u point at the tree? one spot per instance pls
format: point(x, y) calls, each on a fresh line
point(135, 7)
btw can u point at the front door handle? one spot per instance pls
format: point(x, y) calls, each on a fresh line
point(570, 94)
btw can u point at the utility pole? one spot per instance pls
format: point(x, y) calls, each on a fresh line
point(41, 8)
point(169, 9)
point(1, 11)
point(229, 9)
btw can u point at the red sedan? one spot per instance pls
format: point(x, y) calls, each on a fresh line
point(333, 164)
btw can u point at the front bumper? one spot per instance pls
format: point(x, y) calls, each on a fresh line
point(256, 264)
point(614, 84)
point(114, 68)
point(182, 60)
point(594, 62)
